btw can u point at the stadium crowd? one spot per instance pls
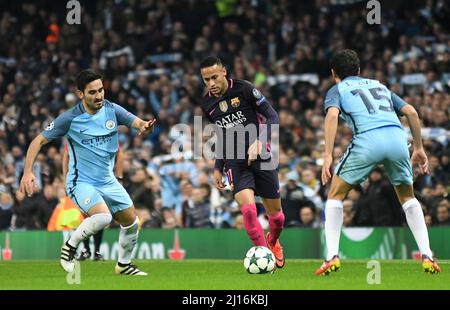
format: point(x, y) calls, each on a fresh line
point(149, 52)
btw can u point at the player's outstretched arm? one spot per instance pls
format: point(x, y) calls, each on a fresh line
point(28, 181)
point(330, 127)
point(418, 157)
point(144, 127)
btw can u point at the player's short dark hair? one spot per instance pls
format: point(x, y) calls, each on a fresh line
point(86, 76)
point(345, 63)
point(210, 61)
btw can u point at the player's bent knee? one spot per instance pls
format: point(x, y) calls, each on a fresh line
point(126, 217)
point(101, 220)
point(98, 208)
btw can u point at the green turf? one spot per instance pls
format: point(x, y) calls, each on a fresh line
point(221, 274)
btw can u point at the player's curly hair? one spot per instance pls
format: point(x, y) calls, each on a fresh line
point(345, 63)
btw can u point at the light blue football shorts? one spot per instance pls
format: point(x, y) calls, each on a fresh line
point(86, 195)
point(385, 145)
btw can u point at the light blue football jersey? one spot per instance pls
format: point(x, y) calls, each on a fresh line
point(365, 104)
point(92, 140)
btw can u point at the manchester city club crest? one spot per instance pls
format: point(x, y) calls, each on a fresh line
point(223, 106)
point(235, 102)
point(110, 124)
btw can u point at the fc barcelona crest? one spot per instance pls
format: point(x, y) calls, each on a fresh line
point(235, 102)
point(223, 106)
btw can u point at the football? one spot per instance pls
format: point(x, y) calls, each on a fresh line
point(259, 260)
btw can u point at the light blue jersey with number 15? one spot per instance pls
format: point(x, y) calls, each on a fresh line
point(365, 104)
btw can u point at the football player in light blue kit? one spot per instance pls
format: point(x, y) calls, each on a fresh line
point(370, 110)
point(91, 130)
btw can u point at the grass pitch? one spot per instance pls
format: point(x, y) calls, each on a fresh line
point(222, 275)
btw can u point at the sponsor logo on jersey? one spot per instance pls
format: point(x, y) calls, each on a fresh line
point(99, 140)
point(110, 124)
point(223, 106)
point(50, 126)
point(231, 120)
point(235, 102)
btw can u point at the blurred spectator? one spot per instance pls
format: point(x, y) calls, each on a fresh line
point(308, 217)
point(428, 220)
point(6, 203)
point(292, 199)
point(196, 211)
point(311, 187)
point(34, 212)
point(140, 190)
point(442, 216)
point(239, 222)
point(349, 213)
point(169, 219)
point(378, 205)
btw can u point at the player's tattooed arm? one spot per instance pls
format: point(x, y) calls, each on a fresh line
point(330, 126)
point(28, 183)
point(144, 127)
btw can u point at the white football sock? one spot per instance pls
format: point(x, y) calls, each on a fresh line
point(416, 222)
point(334, 217)
point(89, 227)
point(127, 241)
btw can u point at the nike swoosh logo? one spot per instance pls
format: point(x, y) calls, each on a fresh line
point(83, 130)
